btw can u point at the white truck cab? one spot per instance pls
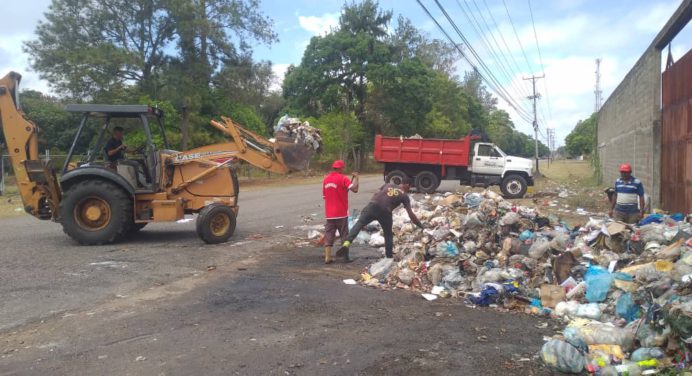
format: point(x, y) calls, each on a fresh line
point(490, 164)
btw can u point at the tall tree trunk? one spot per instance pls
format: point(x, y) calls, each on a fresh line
point(184, 128)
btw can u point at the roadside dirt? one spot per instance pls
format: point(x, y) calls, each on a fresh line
point(283, 314)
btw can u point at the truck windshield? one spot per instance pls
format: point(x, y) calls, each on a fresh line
point(498, 153)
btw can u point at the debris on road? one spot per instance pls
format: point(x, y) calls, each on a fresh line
point(624, 291)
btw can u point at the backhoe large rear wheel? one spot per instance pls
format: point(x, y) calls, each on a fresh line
point(95, 212)
point(216, 223)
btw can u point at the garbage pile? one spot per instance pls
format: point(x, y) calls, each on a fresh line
point(623, 291)
point(301, 131)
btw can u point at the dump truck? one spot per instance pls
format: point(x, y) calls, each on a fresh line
point(98, 201)
point(429, 161)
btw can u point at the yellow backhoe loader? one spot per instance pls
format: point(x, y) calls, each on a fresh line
point(99, 202)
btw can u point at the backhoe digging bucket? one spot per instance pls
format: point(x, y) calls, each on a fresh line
point(296, 155)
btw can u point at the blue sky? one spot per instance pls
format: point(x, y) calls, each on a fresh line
point(571, 35)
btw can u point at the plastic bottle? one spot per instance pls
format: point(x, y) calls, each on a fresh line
point(629, 369)
point(608, 371)
point(651, 363)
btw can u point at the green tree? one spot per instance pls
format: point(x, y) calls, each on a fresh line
point(582, 139)
point(85, 47)
point(343, 136)
point(333, 72)
point(56, 126)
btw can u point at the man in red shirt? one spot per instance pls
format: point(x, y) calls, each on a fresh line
point(335, 189)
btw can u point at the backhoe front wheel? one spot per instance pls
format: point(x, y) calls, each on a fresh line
point(216, 223)
point(95, 212)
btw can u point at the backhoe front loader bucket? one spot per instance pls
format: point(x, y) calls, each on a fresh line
point(296, 155)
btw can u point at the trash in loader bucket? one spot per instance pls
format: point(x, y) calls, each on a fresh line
point(298, 141)
point(296, 155)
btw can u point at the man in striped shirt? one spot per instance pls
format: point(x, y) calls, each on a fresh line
point(628, 201)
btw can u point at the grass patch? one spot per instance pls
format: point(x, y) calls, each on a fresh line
point(10, 200)
point(570, 172)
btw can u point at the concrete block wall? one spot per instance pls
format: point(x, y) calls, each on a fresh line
point(629, 126)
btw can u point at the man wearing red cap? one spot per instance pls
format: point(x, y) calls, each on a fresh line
point(628, 200)
point(335, 189)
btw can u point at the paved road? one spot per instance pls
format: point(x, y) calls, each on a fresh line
point(150, 305)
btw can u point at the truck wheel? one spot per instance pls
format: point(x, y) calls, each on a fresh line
point(427, 182)
point(95, 212)
point(395, 177)
point(215, 223)
point(513, 186)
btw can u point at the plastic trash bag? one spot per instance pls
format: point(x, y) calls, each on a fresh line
point(598, 281)
point(381, 268)
point(472, 220)
point(406, 276)
point(376, 240)
point(597, 333)
point(509, 219)
point(487, 296)
point(472, 200)
point(362, 238)
point(539, 248)
point(446, 249)
point(626, 308)
point(452, 280)
point(562, 357)
point(526, 235)
point(646, 353)
point(589, 311)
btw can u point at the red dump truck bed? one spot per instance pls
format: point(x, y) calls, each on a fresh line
point(423, 151)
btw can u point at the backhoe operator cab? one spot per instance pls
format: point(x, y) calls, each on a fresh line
point(140, 165)
point(139, 168)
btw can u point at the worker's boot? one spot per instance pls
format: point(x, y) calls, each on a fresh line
point(328, 255)
point(342, 253)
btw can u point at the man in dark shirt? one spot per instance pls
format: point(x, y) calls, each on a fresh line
point(115, 149)
point(380, 209)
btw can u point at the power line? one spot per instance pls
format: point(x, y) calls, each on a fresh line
point(498, 87)
point(528, 64)
point(508, 73)
point(540, 59)
point(497, 27)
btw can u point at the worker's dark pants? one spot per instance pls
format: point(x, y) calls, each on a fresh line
point(374, 212)
point(330, 229)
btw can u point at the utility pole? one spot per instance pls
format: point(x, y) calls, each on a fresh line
point(534, 97)
point(597, 90)
point(551, 143)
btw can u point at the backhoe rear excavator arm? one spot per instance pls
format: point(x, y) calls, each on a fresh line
point(36, 181)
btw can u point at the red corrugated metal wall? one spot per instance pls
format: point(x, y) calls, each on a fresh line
point(676, 137)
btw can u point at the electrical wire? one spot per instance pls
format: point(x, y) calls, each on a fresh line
point(495, 83)
point(528, 64)
point(540, 59)
point(501, 62)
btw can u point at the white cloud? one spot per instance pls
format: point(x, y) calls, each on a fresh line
point(319, 25)
point(12, 58)
point(280, 72)
point(653, 20)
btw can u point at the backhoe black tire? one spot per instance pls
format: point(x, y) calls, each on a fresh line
point(395, 177)
point(95, 212)
point(513, 186)
point(136, 227)
point(216, 223)
point(427, 182)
